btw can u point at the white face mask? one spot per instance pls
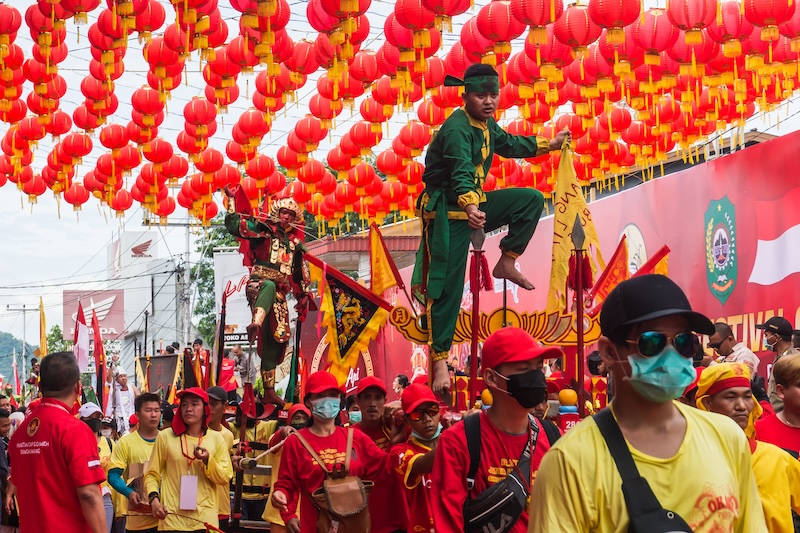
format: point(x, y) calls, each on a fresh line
point(105, 432)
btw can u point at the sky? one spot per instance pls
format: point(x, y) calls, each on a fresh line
point(49, 247)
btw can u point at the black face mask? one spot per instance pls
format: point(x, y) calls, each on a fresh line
point(299, 425)
point(528, 388)
point(94, 424)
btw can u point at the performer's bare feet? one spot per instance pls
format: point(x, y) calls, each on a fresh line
point(506, 269)
point(441, 378)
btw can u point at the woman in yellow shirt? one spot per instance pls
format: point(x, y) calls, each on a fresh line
point(187, 465)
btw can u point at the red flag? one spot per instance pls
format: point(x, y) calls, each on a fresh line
point(654, 265)
point(99, 358)
point(81, 340)
point(616, 271)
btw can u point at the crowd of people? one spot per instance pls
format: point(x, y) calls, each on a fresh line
point(368, 462)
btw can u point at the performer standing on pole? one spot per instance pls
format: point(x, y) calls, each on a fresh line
point(454, 203)
point(274, 251)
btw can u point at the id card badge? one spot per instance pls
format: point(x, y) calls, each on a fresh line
point(188, 493)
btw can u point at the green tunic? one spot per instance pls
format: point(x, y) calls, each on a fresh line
point(272, 252)
point(457, 162)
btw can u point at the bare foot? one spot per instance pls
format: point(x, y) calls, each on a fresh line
point(505, 269)
point(441, 378)
point(252, 332)
point(271, 397)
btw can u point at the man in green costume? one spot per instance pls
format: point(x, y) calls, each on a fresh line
point(273, 250)
point(454, 204)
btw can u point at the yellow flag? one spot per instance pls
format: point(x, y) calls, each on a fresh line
point(568, 201)
point(42, 330)
point(383, 271)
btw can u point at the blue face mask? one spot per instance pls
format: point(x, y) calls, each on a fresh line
point(355, 417)
point(325, 408)
point(423, 439)
point(663, 377)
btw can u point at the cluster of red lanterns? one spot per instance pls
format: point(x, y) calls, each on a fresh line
point(639, 83)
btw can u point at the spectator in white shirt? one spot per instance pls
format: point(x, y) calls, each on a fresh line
point(730, 350)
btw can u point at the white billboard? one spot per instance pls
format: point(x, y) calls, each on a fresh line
point(230, 278)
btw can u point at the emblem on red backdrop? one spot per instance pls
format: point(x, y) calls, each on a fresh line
point(720, 237)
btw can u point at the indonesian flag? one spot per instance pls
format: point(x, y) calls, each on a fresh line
point(777, 252)
point(99, 359)
point(81, 347)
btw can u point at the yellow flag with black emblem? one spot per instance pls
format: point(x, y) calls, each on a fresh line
point(352, 314)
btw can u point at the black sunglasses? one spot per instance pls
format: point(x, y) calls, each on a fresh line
point(431, 411)
point(651, 343)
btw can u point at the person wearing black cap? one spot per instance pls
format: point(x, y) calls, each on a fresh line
point(777, 338)
point(648, 340)
point(218, 401)
point(454, 204)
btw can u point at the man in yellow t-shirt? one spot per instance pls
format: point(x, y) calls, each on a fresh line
point(259, 430)
point(725, 389)
point(697, 464)
point(132, 452)
point(218, 400)
point(187, 464)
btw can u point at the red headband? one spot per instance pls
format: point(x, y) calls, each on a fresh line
point(728, 383)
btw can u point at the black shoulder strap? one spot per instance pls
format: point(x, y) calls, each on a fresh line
point(110, 444)
point(472, 428)
point(550, 429)
point(616, 444)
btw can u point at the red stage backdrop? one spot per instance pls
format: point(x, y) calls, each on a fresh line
point(733, 228)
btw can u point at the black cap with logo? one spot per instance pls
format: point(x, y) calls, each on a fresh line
point(779, 326)
point(646, 298)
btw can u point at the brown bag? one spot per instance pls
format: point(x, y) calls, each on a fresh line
point(342, 499)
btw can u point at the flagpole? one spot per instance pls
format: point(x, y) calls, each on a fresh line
point(578, 239)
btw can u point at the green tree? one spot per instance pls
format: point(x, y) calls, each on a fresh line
point(56, 342)
point(202, 277)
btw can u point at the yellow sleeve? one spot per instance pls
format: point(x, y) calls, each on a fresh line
point(119, 455)
point(751, 514)
point(793, 472)
point(152, 478)
point(469, 198)
point(219, 469)
point(559, 482)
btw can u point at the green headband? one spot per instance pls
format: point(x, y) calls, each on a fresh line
point(475, 84)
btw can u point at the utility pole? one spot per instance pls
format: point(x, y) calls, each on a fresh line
point(24, 312)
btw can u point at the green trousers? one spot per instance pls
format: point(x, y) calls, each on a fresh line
point(520, 209)
point(270, 350)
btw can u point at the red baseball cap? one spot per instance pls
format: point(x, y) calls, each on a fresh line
point(133, 420)
point(196, 391)
point(415, 395)
point(422, 379)
point(322, 381)
point(370, 381)
point(511, 345)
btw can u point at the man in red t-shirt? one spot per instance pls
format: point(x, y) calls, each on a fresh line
point(510, 366)
point(783, 428)
point(227, 376)
point(56, 468)
point(387, 506)
point(414, 458)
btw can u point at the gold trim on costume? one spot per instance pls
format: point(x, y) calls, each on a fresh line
point(260, 271)
point(510, 254)
point(542, 146)
point(440, 356)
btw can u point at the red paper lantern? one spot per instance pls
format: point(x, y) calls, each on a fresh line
point(576, 29)
point(311, 173)
point(768, 15)
point(199, 111)
point(360, 176)
point(692, 16)
point(114, 137)
point(429, 113)
point(364, 66)
point(614, 15)
point(310, 130)
point(537, 14)
point(496, 23)
point(415, 135)
point(363, 135)
point(654, 33)
point(412, 176)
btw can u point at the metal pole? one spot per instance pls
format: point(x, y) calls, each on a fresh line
point(24, 312)
point(579, 326)
point(187, 300)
